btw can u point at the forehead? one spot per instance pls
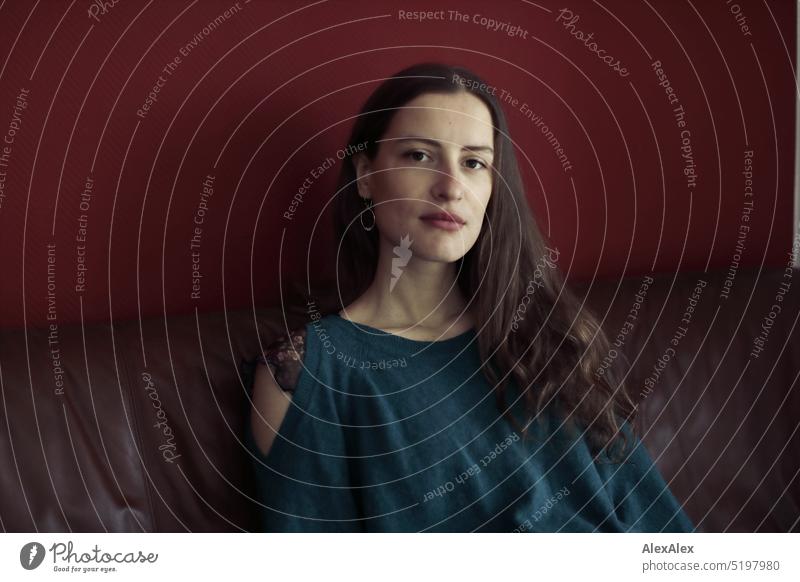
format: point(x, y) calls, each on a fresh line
point(460, 118)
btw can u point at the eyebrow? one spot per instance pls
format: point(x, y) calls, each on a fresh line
point(436, 143)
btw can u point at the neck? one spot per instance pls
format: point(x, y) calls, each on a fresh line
point(416, 292)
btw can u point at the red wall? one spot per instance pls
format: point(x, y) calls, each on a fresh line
point(267, 96)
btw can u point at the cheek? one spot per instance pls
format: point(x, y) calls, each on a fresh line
point(474, 233)
point(485, 192)
point(398, 193)
point(395, 215)
point(390, 183)
point(480, 202)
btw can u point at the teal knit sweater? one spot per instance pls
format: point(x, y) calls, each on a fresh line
point(390, 434)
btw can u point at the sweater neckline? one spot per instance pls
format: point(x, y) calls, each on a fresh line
point(371, 334)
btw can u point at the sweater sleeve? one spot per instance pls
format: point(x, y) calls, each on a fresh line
point(303, 483)
point(644, 502)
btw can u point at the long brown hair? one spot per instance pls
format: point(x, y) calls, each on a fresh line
point(555, 347)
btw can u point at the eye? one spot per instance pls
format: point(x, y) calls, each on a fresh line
point(481, 163)
point(413, 153)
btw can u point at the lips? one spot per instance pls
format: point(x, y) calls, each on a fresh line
point(443, 221)
point(444, 217)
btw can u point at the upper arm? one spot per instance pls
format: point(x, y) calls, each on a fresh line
point(273, 384)
point(305, 484)
point(270, 405)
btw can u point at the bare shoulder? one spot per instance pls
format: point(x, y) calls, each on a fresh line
point(284, 357)
point(273, 385)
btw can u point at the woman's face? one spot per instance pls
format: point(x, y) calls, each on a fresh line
point(435, 157)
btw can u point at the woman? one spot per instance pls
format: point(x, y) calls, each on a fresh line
point(456, 389)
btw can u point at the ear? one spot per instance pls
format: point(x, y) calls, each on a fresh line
point(362, 167)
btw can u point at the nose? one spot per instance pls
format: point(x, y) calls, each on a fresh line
point(447, 184)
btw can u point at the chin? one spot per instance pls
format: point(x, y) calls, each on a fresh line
point(440, 254)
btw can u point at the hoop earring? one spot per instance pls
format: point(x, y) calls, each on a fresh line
point(368, 204)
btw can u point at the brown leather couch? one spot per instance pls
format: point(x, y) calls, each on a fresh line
point(146, 432)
